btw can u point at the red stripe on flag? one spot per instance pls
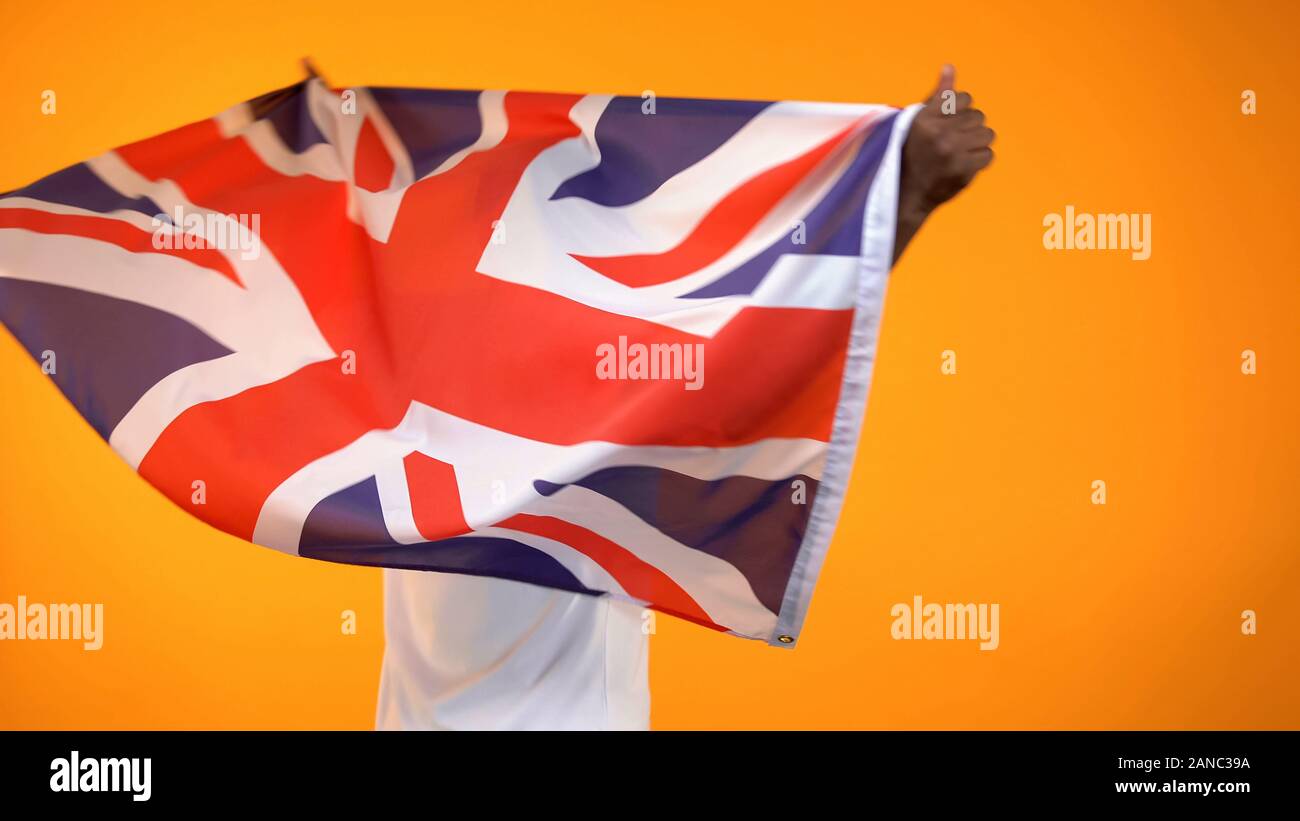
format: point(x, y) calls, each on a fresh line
point(721, 229)
point(122, 234)
point(373, 169)
point(639, 578)
point(435, 497)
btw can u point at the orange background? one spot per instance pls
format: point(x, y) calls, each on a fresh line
point(975, 487)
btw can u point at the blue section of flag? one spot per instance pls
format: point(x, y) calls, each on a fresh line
point(834, 226)
point(640, 152)
point(289, 115)
point(348, 527)
point(432, 125)
point(107, 352)
point(80, 187)
point(754, 524)
point(350, 518)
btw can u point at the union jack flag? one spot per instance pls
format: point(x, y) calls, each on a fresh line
point(368, 326)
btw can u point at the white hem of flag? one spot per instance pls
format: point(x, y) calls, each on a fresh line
point(876, 259)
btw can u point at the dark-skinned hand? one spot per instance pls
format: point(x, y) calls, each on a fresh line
point(948, 144)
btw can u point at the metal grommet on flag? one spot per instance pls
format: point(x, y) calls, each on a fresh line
point(785, 639)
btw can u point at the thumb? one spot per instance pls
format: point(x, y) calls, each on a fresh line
point(946, 77)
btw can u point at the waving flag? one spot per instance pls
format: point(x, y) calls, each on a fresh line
point(604, 344)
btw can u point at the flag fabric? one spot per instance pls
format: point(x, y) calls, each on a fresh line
point(612, 345)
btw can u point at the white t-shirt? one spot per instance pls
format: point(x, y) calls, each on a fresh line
point(472, 653)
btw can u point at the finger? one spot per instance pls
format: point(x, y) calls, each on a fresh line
point(950, 103)
point(946, 77)
point(969, 118)
point(978, 160)
point(981, 137)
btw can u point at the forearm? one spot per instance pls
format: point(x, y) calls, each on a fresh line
point(912, 211)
